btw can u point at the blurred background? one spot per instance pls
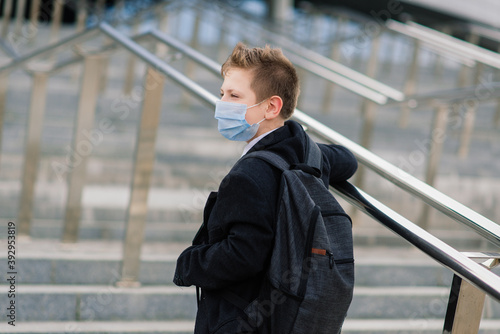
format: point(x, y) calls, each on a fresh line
point(109, 148)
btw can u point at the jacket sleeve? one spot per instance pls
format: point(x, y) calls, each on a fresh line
point(242, 216)
point(342, 163)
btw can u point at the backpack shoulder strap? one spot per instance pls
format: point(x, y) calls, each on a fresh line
point(311, 165)
point(269, 157)
point(313, 154)
point(313, 160)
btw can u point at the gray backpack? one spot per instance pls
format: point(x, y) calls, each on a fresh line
point(309, 283)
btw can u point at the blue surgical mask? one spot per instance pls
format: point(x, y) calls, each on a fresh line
point(232, 122)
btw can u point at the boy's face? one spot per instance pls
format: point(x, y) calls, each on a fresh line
point(236, 88)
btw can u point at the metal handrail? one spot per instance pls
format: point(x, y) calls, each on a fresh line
point(452, 44)
point(157, 63)
point(459, 212)
point(389, 92)
point(365, 19)
point(20, 60)
point(81, 54)
point(428, 194)
point(451, 96)
point(50, 49)
point(315, 63)
point(297, 60)
point(483, 31)
point(438, 250)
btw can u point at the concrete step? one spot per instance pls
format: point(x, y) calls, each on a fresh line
point(110, 303)
point(76, 282)
point(409, 326)
point(103, 303)
point(365, 326)
point(101, 327)
point(175, 216)
point(90, 262)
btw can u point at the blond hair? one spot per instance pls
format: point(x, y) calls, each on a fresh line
point(273, 73)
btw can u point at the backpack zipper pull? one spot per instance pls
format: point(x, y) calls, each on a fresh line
point(330, 255)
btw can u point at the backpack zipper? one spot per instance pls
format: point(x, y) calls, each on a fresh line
point(330, 255)
point(324, 252)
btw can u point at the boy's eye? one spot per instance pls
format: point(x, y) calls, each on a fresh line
point(234, 96)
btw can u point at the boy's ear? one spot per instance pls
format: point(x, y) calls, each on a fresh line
point(274, 107)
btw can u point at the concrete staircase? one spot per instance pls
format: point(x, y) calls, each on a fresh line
point(70, 288)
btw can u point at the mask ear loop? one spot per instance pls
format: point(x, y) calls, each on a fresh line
point(255, 105)
point(262, 120)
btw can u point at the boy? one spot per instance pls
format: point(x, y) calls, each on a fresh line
point(231, 251)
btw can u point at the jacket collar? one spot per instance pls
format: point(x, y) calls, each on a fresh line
point(287, 141)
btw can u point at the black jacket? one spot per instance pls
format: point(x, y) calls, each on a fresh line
point(232, 248)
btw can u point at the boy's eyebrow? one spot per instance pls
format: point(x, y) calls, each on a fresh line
point(229, 90)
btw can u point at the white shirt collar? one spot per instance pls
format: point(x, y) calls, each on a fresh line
point(255, 141)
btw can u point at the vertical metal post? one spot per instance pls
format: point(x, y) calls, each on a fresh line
point(56, 20)
point(368, 110)
point(34, 13)
point(118, 10)
point(371, 69)
point(100, 9)
point(82, 145)
point(161, 49)
point(335, 55)
point(221, 46)
point(189, 71)
point(176, 14)
point(496, 118)
point(410, 84)
point(32, 151)
point(463, 75)
point(463, 78)
point(130, 71)
point(162, 19)
point(438, 136)
point(4, 77)
point(466, 302)
point(7, 12)
point(470, 117)
point(390, 50)
point(315, 38)
point(143, 168)
point(20, 8)
point(438, 62)
point(81, 15)
point(465, 307)
point(279, 10)
point(469, 120)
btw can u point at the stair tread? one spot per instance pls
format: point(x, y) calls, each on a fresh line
point(100, 326)
point(358, 325)
point(171, 289)
point(92, 289)
point(101, 250)
point(405, 325)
